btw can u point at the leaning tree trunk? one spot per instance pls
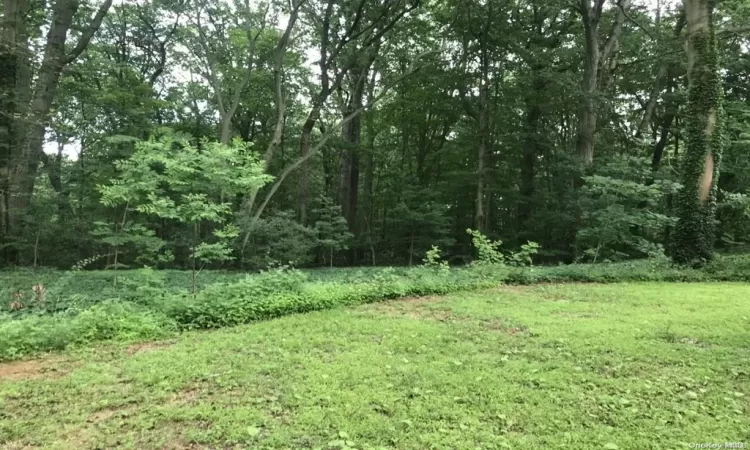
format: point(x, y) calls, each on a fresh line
point(696, 202)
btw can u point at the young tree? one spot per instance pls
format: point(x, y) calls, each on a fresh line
point(175, 180)
point(331, 227)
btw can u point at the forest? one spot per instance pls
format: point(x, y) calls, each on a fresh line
point(238, 135)
point(374, 224)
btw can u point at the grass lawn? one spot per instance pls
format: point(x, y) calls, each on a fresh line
point(628, 366)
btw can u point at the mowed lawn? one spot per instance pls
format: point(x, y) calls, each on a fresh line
point(628, 366)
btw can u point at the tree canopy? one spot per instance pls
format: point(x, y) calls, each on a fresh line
point(188, 134)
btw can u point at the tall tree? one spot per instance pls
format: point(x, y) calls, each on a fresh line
point(349, 38)
point(596, 58)
point(224, 41)
point(25, 100)
point(696, 203)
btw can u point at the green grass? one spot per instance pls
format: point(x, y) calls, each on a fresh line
point(653, 366)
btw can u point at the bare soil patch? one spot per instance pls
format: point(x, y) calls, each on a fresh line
point(147, 347)
point(31, 369)
point(424, 308)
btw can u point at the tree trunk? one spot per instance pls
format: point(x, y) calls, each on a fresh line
point(22, 133)
point(696, 202)
point(587, 116)
point(531, 151)
point(351, 134)
point(665, 72)
point(304, 149)
point(482, 149)
point(670, 112)
point(14, 90)
point(369, 169)
point(597, 71)
point(225, 132)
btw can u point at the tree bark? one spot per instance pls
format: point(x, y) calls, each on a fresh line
point(482, 149)
point(351, 134)
point(587, 116)
point(304, 148)
point(696, 202)
point(531, 151)
point(662, 75)
point(670, 112)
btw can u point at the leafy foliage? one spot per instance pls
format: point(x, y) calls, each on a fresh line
point(619, 208)
point(84, 307)
point(488, 251)
point(170, 178)
point(331, 228)
point(279, 239)
point(432, 259)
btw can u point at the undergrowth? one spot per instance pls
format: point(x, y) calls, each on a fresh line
point(153, 304)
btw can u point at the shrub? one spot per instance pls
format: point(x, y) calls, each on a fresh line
point(433, 260)
point(624, 211)
point(488, 252)
point(524, 256)
point(224, 304)
point(279, 238)
point(284, 291)
point(110, 320)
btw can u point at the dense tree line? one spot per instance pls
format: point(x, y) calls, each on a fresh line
point(189, 133)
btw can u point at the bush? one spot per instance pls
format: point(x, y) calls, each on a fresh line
point(108, 320)
point(282, 292)
point(488, 252)
point(624, 211)
point(224, 304)
point(433, 260)
point(279, 238)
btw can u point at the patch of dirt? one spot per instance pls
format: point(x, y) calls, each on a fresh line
point(420, 308)
point(693, 341)
point(31, 369)
point(418, 300)
point(18, 445)
point(184, 396)
point(108, 413)
point(499, 325)
point(409, 306)
point(146, 347)
point(579, 315)
point(184, 446)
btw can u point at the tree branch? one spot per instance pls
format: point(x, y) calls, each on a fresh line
point(623, 11)
point(315, 149)
point(96, 22)
point(614, 35)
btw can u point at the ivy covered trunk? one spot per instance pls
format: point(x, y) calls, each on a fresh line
point(696, 202)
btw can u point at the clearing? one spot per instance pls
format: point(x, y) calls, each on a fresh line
point(647, 366)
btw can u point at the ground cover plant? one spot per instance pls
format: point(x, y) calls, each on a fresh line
point(586, 366)
point(83, 307)
point(77, 308)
